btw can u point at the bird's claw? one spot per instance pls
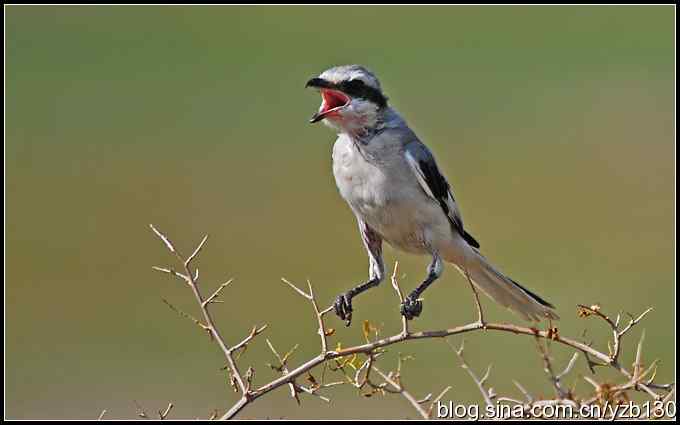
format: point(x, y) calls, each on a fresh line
point(343, 308)
point(411, 307)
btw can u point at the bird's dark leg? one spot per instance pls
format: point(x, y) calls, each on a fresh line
point(373, 243)
point(412, 306)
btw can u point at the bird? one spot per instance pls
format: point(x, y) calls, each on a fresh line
point(398, 194)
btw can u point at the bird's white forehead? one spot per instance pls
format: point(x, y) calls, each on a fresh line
point(351, 72)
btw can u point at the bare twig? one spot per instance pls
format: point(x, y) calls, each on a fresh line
point(569, 367)
point(284, 368)
point(253, 333)
point(211, 298)
point(555, 379)
point(400, 295)
point(595, 310)
point(398, 386)
point(164, 414)
point(528, 396)
point(637, 366)
point(190, 279)
point(187, 262)
point(296, 289)
point(486, 394)
point(436, 400)
point(478, 304)
point(187, 316)
point(319, 318)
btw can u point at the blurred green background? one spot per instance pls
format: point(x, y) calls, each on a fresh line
point(554, 125)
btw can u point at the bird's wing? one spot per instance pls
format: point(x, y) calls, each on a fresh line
point(434, 184)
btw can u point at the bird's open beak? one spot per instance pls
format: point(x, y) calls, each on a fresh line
point(319, 83)
point(332, 100)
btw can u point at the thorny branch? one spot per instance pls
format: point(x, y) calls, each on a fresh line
point(191, 279)
point(555, 379)
point(489, 394)
point(399, 387)
point(639, 379)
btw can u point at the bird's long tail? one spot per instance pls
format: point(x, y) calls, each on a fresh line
point(504, 290)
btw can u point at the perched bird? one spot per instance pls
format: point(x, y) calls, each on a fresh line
point(398, 194)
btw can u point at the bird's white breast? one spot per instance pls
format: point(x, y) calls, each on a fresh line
point(392, 204)
point(359, 180)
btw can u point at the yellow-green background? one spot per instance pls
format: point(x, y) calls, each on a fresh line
point(554, 125)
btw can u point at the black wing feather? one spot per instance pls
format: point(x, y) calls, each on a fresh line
point(441, 191)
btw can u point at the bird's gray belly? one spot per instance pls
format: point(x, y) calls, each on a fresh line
point(397, 225)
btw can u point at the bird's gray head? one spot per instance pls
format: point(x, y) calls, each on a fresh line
point(352, 99)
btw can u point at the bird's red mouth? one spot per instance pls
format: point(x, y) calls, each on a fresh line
point(332, 101)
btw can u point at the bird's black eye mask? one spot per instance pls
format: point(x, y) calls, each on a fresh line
point(357, 88)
